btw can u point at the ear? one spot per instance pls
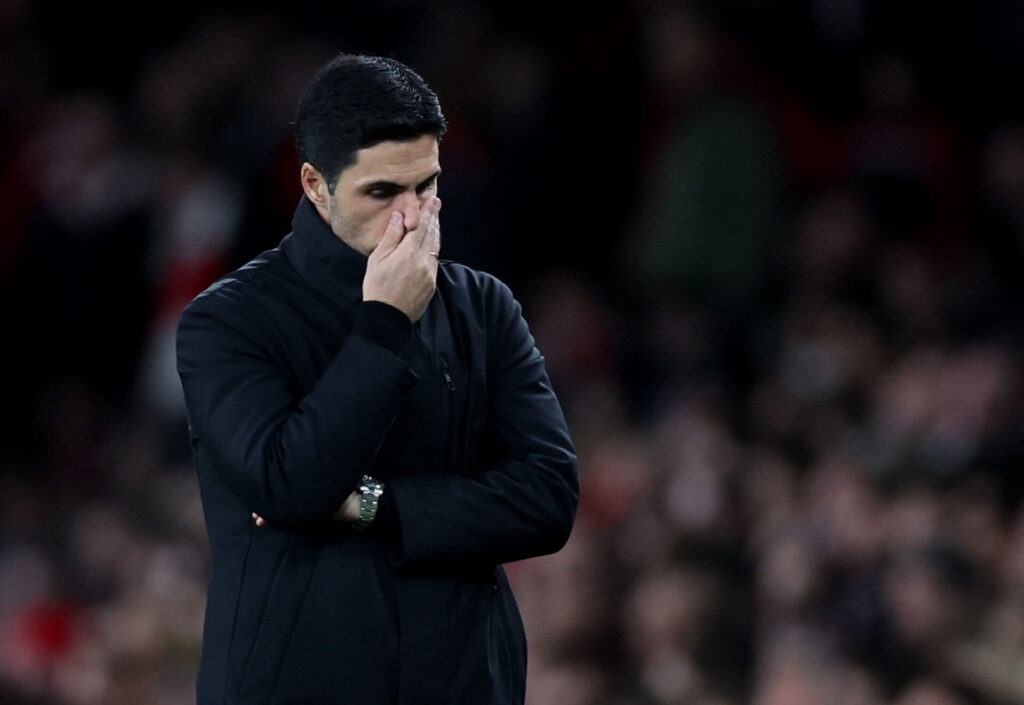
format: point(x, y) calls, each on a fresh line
point(314, 185)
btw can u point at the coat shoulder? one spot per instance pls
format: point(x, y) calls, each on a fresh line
point(481, 290)
point(242, 291)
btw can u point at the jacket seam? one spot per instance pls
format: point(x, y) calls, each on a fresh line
point(234, 616)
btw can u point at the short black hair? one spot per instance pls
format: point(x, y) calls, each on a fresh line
point(356, 101)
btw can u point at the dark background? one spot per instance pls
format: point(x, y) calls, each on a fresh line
point(771, 250)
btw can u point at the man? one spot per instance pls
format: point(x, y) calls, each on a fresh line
point(384, 417)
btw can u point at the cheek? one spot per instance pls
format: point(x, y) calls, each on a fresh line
point(362, 221)
point(370, 230)
point(376, 225)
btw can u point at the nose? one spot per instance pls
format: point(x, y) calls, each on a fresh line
point(409, 206)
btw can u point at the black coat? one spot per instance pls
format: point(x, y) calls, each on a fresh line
point(295, 388)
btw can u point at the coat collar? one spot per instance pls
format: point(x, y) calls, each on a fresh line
point(322, 258)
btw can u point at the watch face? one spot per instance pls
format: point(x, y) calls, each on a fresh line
point(371, 486)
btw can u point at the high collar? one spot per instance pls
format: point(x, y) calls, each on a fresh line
point(321, 257)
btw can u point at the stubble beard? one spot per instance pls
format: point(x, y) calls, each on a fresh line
point(346, 230)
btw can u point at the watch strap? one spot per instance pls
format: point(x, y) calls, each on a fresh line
point(370, 491)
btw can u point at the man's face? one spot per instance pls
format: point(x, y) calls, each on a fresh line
point(386, 177)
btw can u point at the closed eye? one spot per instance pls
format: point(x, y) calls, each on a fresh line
point(384, 190)
point(427, 184)
point(383, 193)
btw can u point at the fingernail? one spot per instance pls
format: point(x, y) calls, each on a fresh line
point(395, 217)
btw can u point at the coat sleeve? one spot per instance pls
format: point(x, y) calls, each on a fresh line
point(523, 503)
point(292, 457)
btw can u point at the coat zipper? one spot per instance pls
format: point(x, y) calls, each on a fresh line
point(447, 375)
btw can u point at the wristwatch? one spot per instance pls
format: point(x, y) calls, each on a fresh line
point(370, 490)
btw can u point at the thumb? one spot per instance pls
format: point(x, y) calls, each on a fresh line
point(392, 236)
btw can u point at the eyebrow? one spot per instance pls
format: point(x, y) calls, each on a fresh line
point(391, 185)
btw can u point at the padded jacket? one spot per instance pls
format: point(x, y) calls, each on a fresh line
point(295, 388)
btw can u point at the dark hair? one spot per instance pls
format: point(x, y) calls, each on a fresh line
point(357, 101)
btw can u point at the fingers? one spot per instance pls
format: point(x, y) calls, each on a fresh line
point(432, 241)
point(393, 234)
point(421, 236)
point(260, 521)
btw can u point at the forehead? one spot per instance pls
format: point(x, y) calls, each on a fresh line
point(405, 162)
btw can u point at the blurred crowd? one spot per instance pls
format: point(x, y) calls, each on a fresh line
point(772, 251)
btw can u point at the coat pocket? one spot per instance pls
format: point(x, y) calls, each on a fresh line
point(506, 640)
point(281, 608)
point(345, 646)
